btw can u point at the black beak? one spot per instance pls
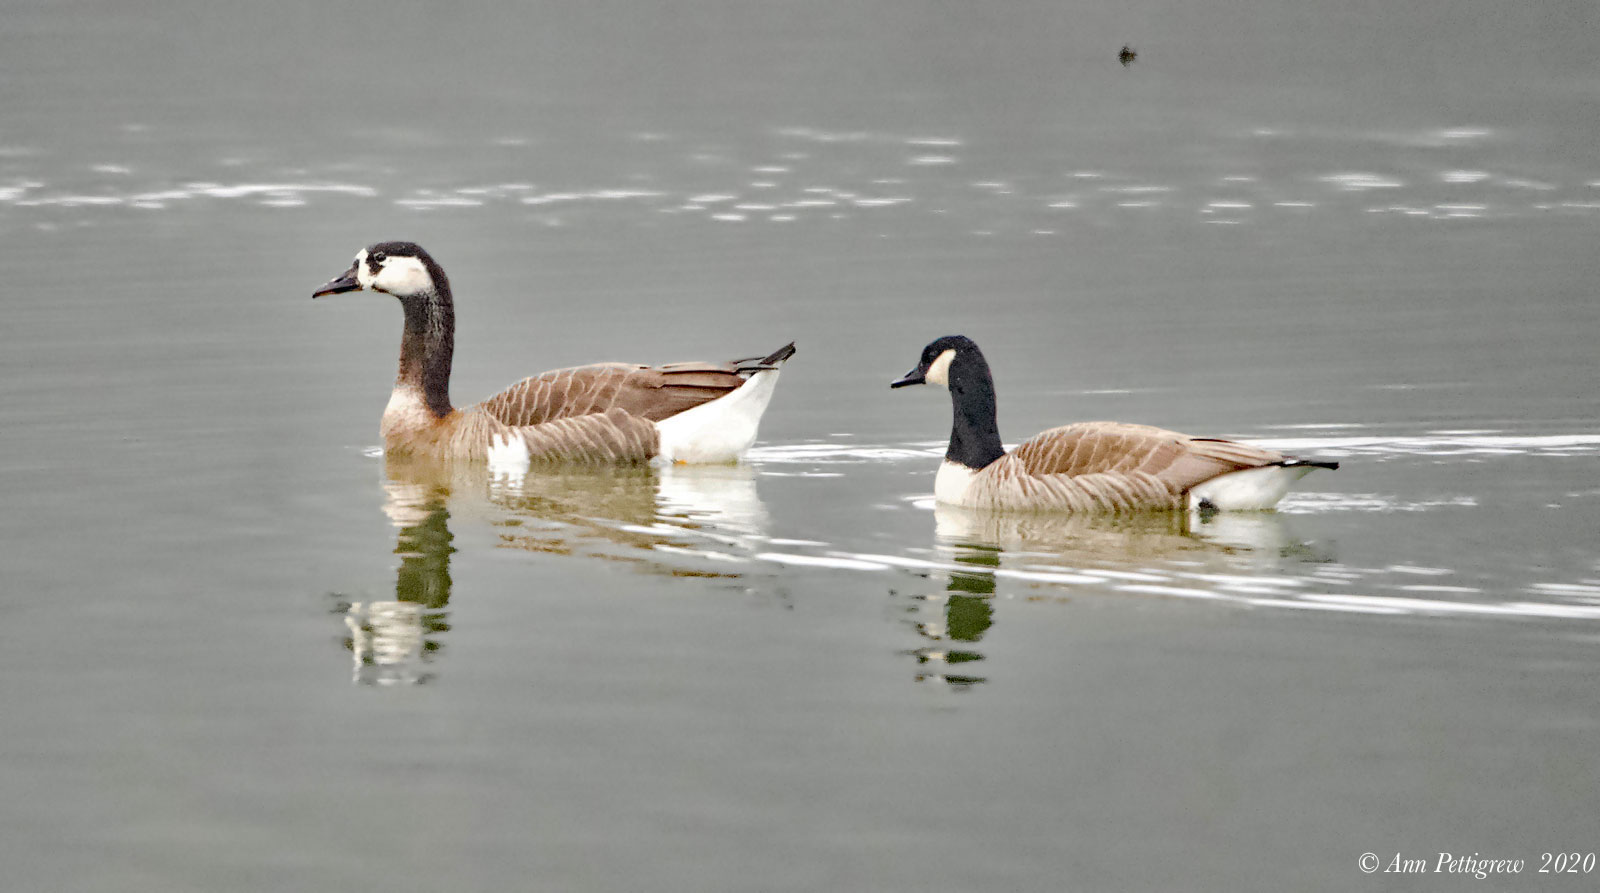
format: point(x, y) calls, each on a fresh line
point(344, 283)
point(915, 376)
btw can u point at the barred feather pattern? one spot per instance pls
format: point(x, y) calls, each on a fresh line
point(601, 413)
point(1108, 467)
point(649, 392)
point(612, 437)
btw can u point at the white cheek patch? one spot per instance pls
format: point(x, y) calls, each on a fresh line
point(939, 371)
point(403, 276)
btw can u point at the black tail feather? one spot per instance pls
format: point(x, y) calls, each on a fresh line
point(755, 364)
point(1309, 463)
point(779, 355)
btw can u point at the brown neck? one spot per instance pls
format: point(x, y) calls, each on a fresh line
point(426, 347)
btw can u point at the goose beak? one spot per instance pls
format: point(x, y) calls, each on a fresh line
point(915, 376)
point(344, 283)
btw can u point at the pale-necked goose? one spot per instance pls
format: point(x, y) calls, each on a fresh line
point(609, 412)
point(1090, 466)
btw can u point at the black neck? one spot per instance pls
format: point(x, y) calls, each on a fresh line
point(974, 433)
point(426, 347)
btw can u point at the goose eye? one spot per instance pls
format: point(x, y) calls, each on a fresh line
point(379, 258)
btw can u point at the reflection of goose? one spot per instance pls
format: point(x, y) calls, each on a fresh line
point(610, 412)
point(640, 515)
point(724, 495)
point(1114, 538)
point(1090, 466)
point(968, 612)
point(591, 510)
point(577, 495)
point(1129, 534)
point(650, 513)
point(392, 640)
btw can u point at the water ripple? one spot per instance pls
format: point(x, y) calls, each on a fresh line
point(711, 522)
point(1223, 560)
point(909, 177)
point(1443, 444)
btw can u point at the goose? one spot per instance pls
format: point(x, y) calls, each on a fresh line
point(1089, 466)
point(602, 413)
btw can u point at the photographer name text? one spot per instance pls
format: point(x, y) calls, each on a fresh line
point(1477, 865)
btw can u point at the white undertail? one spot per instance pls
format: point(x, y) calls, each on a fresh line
point(1252, 489)
point(721, 430)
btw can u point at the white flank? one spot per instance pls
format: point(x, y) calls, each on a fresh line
point(939, 370)
point(719, 431)
point(950, 484)
point(1253, 489)
point(508, 455)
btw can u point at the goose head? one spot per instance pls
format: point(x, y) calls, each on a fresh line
point(401, 269)
point(937, 358)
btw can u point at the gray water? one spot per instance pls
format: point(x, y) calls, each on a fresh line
point(243, 651)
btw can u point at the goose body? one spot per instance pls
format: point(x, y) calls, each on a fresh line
point(602, 413)
point(1089, 466)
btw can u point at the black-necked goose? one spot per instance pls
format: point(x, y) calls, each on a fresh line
point(609, 412)
point(1090, 466)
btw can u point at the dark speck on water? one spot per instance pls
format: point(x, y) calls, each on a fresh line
point(1127, 55)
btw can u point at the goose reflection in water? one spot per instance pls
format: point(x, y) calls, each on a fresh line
point(700, 521)
point(1119, 539)
point(966, 611)
point(393, 641)
point(1091, 553)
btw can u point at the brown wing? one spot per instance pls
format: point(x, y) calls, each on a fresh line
point(649, 392)
point(1113, 448)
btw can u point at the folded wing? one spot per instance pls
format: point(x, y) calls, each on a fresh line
point(1177, 460)
point(1110, 466)
point(649, 392)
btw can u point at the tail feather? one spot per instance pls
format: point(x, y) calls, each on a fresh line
point(1309, 463)
point(770, 361)
point(779, 355)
